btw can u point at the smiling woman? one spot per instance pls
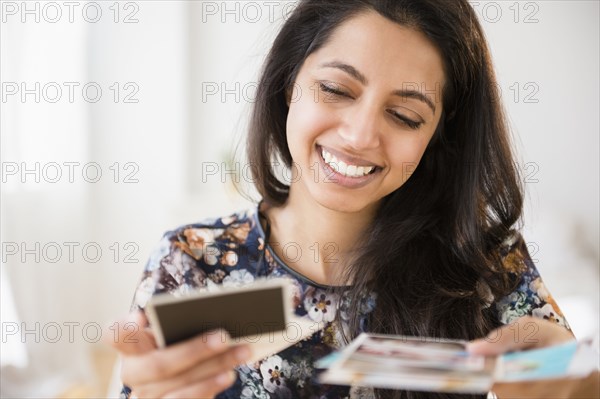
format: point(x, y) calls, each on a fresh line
point(404, 189)
point(356, 115)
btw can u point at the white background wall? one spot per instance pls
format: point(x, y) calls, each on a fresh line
point(175, 55)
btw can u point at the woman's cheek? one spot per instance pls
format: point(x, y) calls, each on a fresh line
point(308, 119)
point(406, 155)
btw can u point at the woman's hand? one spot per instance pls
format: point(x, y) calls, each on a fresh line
point(200, 367)
point(525, 333)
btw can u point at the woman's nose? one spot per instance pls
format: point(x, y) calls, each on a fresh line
point(361, 128)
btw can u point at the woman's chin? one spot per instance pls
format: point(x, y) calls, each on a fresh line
point(344, 203)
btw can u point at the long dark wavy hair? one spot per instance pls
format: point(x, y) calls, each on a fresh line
point(431, 253)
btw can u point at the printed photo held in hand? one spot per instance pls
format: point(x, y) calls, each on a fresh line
point(351, 93)
point(440, 365)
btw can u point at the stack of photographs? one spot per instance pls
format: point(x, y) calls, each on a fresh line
point(417, 364)
point(440, 365)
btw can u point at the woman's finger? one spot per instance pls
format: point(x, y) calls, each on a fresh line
point(212, 367)
point(525, 333)
point(130, 335)
point(541, 389)
point(168, 362)
point(205, 389)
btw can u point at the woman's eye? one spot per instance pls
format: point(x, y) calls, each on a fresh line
point(401, 119)
point(414, 125)
point(332, 89)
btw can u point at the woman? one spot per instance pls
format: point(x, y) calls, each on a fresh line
point(401, 208)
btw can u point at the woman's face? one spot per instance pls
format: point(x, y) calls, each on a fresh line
point(363, 109)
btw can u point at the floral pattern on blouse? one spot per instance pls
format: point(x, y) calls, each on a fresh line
point(531, 296)
point(231, 251)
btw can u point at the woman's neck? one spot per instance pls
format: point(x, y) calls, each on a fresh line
point(315, 240)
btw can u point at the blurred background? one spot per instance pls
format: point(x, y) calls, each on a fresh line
point(119, 120)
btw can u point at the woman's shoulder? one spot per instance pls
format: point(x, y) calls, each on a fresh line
point(198, 238)
point(530, 296)
point(200, 254)
point(514, 253)
point(232, 220)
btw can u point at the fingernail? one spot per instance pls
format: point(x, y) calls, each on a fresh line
point(214, 341)
point(473, 345)
point(478, 347)
point(242, 353)
point(223, 379)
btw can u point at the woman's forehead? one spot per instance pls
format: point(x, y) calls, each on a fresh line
point(384, 52)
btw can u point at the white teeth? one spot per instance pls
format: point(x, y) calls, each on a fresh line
point(344, 169)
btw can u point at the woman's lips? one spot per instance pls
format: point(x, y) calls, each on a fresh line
point(350, 160)
point(329, 175)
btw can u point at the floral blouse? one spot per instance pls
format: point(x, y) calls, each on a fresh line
point(231, 251)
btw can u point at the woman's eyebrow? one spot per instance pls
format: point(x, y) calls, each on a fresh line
point(417, 95)
point(350, 70)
